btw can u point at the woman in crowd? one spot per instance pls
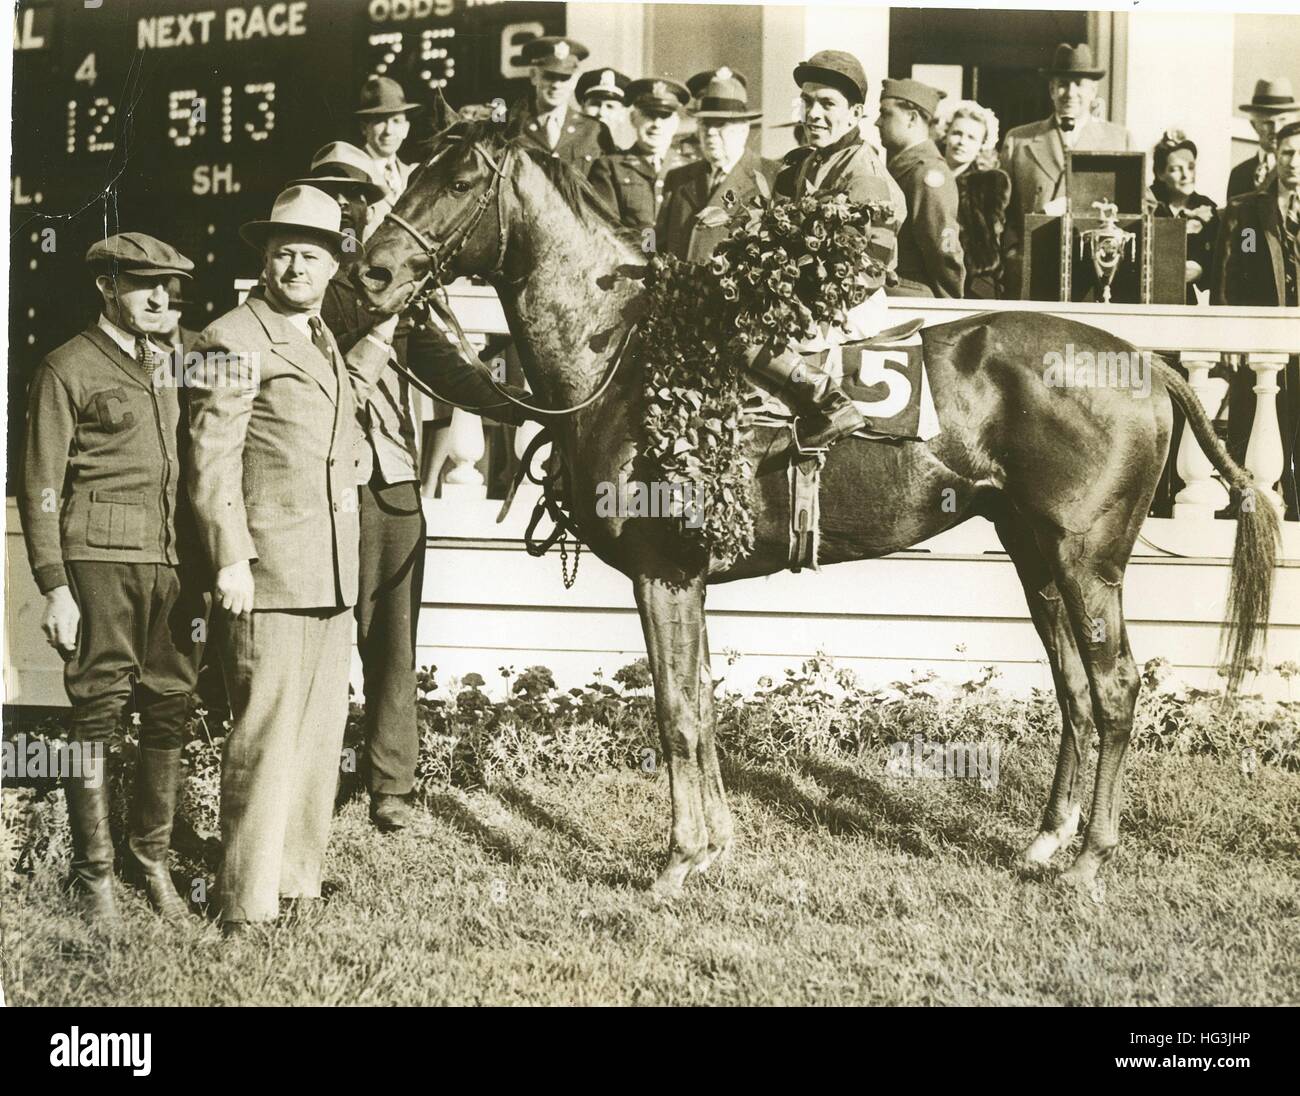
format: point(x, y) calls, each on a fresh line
point(1174, 193)
point(968, 135)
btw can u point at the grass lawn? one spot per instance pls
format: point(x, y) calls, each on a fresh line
point(846, 887)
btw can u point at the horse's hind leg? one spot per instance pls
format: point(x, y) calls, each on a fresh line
point(672, 617)
point(1061, 816)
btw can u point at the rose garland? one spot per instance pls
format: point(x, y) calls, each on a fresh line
point(787, 267)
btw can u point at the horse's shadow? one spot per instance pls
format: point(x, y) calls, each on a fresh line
point(856, 804)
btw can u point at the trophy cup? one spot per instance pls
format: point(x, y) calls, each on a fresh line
point(1107, 244)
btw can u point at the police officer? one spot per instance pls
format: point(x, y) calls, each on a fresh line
point(124, 605)
point(929, 245)
point(702, 197)
point(632, 182)
point(602, 94)
point(545, 116)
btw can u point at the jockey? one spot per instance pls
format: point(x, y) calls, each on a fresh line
point(833, 88)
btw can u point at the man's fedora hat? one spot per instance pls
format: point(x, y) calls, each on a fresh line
point(697, 83)
point(725, 99)
point(299, 210)
point(1272, 96)
point(601, 83)
point(836, 69)
point(913, 91)
point(136, 253)
point(1288, 130)
point(560, 56)
point(657, 94)
point(339, 165)
point(381, 96)
point(1071, 60)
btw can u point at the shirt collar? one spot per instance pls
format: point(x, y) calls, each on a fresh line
point(300, 320)
point(124, 339)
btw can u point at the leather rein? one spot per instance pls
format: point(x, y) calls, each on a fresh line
point(440, 254)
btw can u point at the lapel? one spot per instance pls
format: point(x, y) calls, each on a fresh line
point(901, 164)
point(530, 128)
point(295, 348)
point(739, 180)
point(114, 353)
point(694, 188)
point(1046, 150)
point(1270, 220)
point(638, 164)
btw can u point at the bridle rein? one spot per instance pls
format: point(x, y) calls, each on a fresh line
point(440, 254)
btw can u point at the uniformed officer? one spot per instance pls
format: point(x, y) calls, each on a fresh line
point(384, 117)
point(702, 197)
point(124, 604)
point(545, 116)
point(602, 94)
point(632, 182)
point(930, 260)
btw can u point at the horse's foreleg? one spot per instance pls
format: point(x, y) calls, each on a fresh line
point(717, 815)
point(672, 617)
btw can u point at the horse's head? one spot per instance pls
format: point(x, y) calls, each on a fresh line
point(448, 222)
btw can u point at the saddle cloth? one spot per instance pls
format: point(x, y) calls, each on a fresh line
point(887, 383)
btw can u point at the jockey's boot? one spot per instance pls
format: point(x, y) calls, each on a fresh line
point(91, 878)
point(152, 810)
point(825, 412)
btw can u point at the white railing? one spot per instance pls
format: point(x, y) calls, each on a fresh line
point(1260, 339)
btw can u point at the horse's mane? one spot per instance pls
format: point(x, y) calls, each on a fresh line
point(573, 188)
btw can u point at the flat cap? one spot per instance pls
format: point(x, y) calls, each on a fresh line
point(551, 53)
point(836, 69)
point(658, 93)
point(601, 83)
point(914, 92)
point(136, 253)
point(697, 83)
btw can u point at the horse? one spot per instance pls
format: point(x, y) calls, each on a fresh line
point(1065, 474)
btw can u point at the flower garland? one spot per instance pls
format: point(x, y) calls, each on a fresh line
point(787, 267)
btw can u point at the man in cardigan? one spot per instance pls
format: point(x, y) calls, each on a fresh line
point(124, 604)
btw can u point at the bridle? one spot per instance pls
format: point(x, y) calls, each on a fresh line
point(440, 254)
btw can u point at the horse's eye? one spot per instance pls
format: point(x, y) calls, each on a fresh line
point(460, 186)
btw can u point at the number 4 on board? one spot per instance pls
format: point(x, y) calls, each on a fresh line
point(86, 73)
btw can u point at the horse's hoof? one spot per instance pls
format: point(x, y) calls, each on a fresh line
point(713, 854)
point(1041, 850)
point(1082, 874)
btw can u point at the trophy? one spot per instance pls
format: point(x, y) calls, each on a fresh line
point(1107, 244)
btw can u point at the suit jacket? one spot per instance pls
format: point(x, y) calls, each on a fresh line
point(1256, 276)
point(377, 211)
point(929, 242)
point(684, 229)
point(583, 140)
point(1034, 159)
point(104, 443)
point(628, 183)
point(1241, 179)
point(851, 166)
point(273, 477)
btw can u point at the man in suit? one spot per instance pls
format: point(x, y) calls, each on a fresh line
point(274, 487)
point(632, 183)
point(703, 196)
point(384, 118)
point(545, 117)
point(832, 89)
point(103, 516)
point(1272, 107)
point(1257, 263)
point(1033, 155)
point(929, 244)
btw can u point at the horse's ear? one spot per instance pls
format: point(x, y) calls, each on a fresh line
point(442, 114)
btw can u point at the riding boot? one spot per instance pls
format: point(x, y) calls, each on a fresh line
point(816, 397)
point(152, 810)
point(91, 877)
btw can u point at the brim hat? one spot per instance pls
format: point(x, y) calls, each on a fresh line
point(339, 165)
point(836, 69)
point(1288, 130)
point(136, 253)
point(697, 83)
point(725, 99)
point(658, 94)
point(1071, 60)
point(305, 210)
point(920, 95)
point(1272, 96)
point(601, 83)
point(556, 55)
point(380, 97)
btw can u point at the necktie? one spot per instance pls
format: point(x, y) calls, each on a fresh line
point(553, 129)
point(1293, 215)
point(144, 353)
point(393, 179)
point(321, 340)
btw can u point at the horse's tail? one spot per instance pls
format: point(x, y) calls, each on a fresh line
point(1254, 554)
